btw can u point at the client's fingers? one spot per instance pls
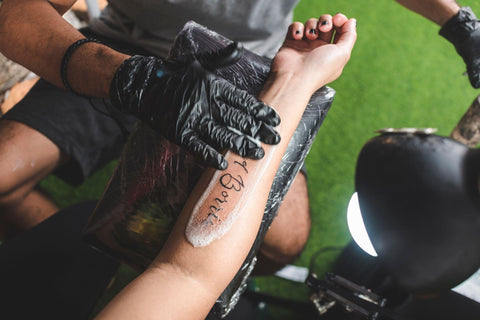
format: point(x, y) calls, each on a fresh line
point(311, 32)
point(339, 20)
point(295, 31)
point(347, 35)
point(325, 28)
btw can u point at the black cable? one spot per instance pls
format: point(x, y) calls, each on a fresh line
point(304, 307)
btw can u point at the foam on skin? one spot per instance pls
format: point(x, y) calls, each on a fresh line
point(213, 215)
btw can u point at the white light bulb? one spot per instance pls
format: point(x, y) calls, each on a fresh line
point(357, 227)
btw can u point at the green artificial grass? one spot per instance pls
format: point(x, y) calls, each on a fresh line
point(401, 74)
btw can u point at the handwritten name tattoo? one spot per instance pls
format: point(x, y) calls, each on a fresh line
point(222, 201)
point(231, 184)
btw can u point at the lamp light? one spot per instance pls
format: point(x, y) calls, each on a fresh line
point(357, 226)
point(419, 199)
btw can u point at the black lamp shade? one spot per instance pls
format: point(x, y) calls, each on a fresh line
point(419, 199)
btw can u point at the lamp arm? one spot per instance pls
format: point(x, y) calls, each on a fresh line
point(355, 298)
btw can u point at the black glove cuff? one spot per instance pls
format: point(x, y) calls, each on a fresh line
point(459, 28)
point(66, 59)
point(130, 81)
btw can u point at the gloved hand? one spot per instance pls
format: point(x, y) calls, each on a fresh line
point(463, 31)
point(189, 105)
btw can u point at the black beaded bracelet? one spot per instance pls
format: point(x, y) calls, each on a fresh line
point(66, 58)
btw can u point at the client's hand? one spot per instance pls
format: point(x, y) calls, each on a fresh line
point(317, 50)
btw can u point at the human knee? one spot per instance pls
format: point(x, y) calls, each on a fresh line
point(276, 252)
point(289, 231)
point(9, 194)
point(27, 156)
point(12, 190)
point(286, 245)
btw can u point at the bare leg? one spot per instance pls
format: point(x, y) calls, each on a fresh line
point(35, 208)
point(438, 11)
point(27, 157)
point(289, 231)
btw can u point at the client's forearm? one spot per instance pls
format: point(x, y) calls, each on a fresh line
point(190, 278)
point(223, 214)
point(217, 227)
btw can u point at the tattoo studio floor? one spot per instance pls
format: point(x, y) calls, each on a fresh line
point(401, 74)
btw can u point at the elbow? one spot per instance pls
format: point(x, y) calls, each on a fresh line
point(62, 6)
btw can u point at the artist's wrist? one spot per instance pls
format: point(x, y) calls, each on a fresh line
point(91, 69)
point(129, 84)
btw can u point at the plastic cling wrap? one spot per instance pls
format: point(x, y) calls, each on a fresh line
point(154, 177)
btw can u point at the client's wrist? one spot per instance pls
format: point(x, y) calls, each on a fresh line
point(288, 94)
point(281, 85)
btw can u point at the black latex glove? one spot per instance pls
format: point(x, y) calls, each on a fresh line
point(463, 31)
point(189, 105)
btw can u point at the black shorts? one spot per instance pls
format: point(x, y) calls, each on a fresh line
point(81, 127)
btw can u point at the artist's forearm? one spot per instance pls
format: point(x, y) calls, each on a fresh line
point(438, 11)
point(33, 33)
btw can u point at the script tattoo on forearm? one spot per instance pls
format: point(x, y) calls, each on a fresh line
point(231, 184)
point(215, 212)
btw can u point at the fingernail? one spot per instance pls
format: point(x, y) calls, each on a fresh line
point(254, 151)
point(313, 31)
point(268, 135)
point(268, 115)
point(273, 138)
point(259, 154)
point(224, 165)
point(277, 139)
point(220, 163)
point(274, 120)
point(277, 119)
point(324, 23)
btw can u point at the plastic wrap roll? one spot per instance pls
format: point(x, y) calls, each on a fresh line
point(154, 177)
